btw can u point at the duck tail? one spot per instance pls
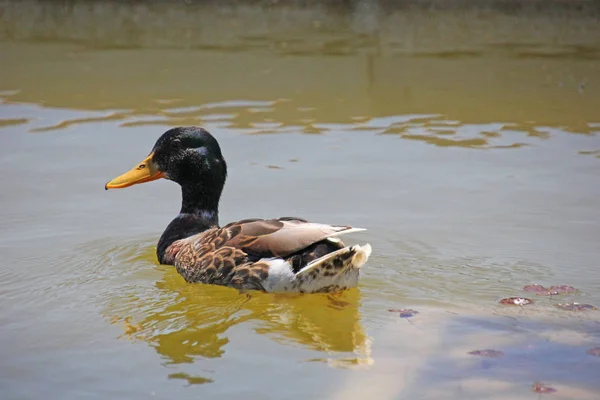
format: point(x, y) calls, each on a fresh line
point(335, 271)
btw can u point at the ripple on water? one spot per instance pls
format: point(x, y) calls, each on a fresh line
point(82, 275)
point(64, 285)
point(108, 259)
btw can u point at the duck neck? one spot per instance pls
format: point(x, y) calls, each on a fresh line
point(199, 212)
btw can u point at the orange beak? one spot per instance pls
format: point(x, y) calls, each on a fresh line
point(146, 171)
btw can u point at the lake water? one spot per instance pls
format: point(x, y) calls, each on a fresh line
point(466, 140)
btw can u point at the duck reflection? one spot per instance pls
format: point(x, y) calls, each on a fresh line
point(185, 321)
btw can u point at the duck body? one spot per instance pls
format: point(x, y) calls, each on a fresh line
point(277, 255)
point(286, 254)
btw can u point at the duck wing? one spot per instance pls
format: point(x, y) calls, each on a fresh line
point(279, 237)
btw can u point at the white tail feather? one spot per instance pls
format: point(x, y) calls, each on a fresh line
point(362, 255)
point(351, 230)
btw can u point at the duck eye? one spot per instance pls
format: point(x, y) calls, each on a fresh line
point(176, 144)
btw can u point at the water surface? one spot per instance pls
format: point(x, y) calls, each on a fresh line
point(465, 141)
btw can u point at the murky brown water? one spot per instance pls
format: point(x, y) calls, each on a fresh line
point(466, 141)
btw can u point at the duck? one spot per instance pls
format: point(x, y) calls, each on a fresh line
point(285, 254)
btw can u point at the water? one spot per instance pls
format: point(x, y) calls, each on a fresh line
point(465, 141)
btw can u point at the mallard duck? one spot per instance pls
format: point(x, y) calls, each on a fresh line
point(272, 255)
